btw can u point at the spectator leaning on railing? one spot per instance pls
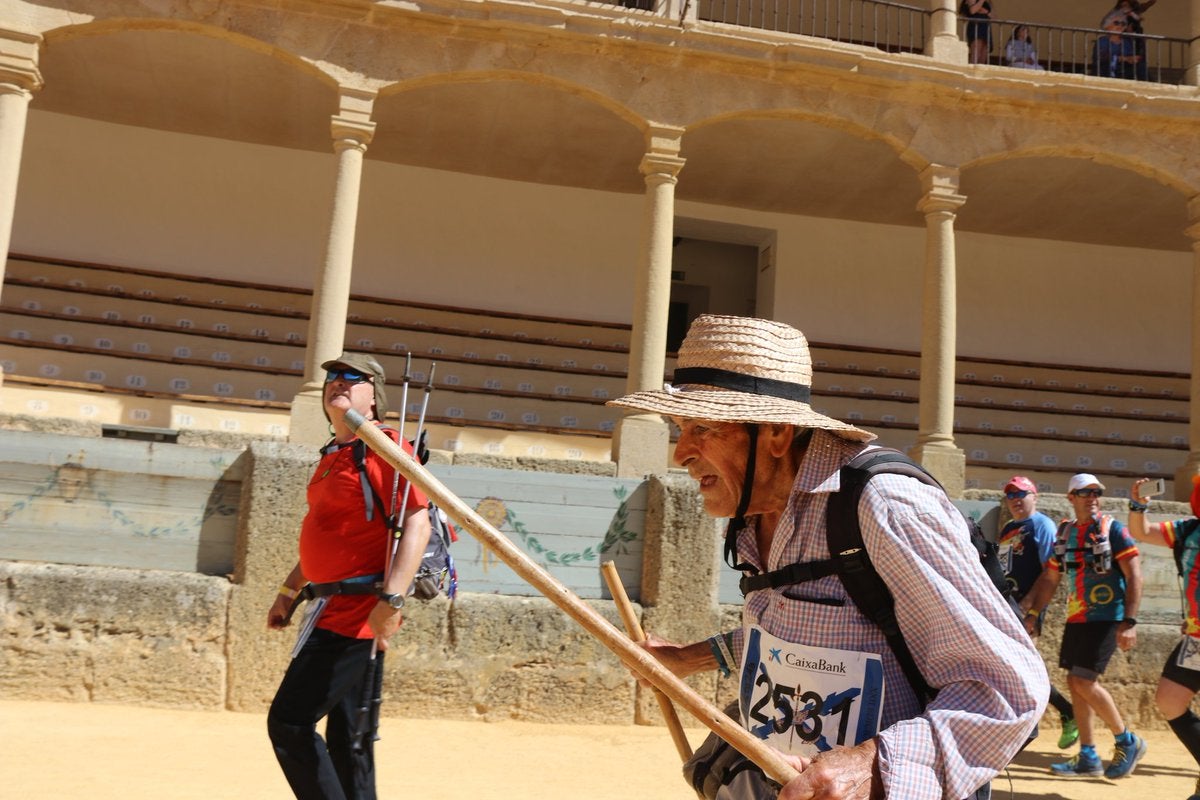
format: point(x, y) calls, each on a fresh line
point(979, 29)
point(1116, 55)
point(1020, 51)
point(1133, 11)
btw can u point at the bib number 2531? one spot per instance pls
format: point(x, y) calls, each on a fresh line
point(805, 700)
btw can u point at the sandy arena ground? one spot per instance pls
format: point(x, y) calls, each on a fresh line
point(107, 752)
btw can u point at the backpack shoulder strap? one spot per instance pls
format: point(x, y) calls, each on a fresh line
point(859, 576)
point(371, 498)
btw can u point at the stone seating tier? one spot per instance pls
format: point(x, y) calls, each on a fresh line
point(155, 335)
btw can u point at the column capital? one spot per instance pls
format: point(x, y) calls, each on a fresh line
point(1193, 214)
point(662, 161)
point(19, 59)
point(352, 125)
point(349, 132)
point(940, 184)
point(656, 166)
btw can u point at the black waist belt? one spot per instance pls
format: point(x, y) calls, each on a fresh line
point(362, 584)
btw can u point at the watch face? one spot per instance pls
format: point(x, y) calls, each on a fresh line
point(396, 601)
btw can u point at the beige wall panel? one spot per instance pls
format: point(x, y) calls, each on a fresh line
point(130, 196)
point(445, 237)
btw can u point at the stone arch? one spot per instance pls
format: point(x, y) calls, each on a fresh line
point(120, 25)
point(590, 95)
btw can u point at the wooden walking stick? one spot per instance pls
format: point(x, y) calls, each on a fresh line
point(617, 589)
point(770, 760)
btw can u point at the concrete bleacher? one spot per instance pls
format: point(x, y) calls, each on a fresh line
point(1048, 421)
point(79, 325)
point(175, 342)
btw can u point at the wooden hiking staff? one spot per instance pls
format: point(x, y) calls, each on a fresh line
point(634, 657)
point(634, 628)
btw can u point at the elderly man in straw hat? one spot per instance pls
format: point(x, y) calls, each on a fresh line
point(765, 459)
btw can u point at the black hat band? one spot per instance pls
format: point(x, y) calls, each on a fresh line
point(749, 384)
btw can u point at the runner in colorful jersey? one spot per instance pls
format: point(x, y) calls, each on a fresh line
point(1180, 679)
point(1104, 582)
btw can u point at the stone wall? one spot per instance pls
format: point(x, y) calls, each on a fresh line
point(181, 639)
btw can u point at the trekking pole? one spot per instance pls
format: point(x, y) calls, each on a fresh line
point(617, 589)
point(424, 408)
point(375, 707)
point(366, 718)
point(770, 760)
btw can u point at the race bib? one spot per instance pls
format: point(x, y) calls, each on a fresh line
point(805, 700)
point(1189, 653)
point(1004, 551)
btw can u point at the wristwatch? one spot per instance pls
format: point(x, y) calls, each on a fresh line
point(396, 601)
point(1131, 620)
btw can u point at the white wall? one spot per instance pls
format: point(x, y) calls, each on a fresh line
point(1031, 299)
point(127, 196)
point(134, 197)
point(446, 237)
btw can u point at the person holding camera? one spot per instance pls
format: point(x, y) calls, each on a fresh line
point(1104, 591)
point(1180, 680)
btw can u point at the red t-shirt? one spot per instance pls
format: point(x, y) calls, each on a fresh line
point(336, 540)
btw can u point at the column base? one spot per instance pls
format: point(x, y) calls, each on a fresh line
point(308, 423)
point(641, 445)
point(947, 48)
point(947, 464)
point(1183, 477)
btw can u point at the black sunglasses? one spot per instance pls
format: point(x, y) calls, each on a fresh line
point(1088, 493)
point(348, 375)
point(1016, 495)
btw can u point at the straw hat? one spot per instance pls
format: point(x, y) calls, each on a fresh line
point(741, 369)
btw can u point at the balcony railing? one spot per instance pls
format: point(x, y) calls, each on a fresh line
point(900, 28)
point(892, 27)
point(1161, 59)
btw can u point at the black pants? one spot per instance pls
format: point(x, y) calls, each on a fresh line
point(326, 679)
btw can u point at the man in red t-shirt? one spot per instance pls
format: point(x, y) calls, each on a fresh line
point(345, 549)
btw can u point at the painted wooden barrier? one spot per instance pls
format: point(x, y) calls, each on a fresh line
point(111, 502)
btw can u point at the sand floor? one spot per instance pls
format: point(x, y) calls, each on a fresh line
point(105, 752)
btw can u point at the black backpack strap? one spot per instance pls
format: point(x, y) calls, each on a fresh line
point(857, 573)
point(371, 498)
point(738, 521)
point(792, 573)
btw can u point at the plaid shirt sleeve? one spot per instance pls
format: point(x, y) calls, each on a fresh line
point(965, 639)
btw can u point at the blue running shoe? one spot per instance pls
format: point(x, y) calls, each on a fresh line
point(1079, 766)
point(1126, 757)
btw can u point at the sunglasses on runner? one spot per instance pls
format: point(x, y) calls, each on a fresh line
point(348, 375)
point(1088, 493)
point(1016, 495)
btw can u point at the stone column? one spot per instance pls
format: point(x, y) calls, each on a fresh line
point(19, 79)
point(935, 447)
point(1192, 76)
point(640, 441)
point(352, 131)
point(1183, 475)
point(943, 43)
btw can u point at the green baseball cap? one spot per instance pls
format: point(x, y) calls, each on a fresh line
point(367, 365)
